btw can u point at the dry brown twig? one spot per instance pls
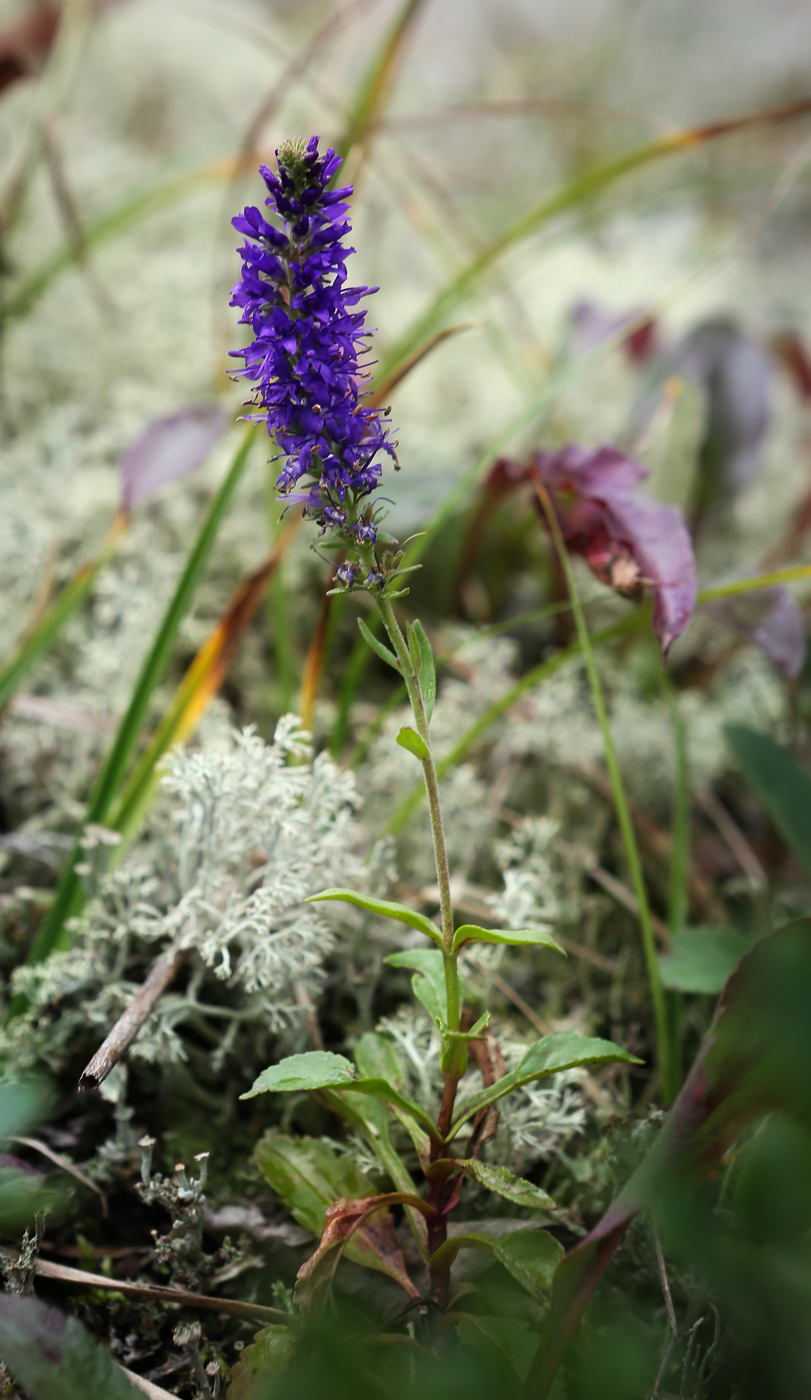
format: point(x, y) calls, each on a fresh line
point(130, 1022)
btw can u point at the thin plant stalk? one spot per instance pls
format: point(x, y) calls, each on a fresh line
point(621, 805)
point(69, 896)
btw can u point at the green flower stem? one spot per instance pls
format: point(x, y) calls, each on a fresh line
point(623, 815)
point(403, 655)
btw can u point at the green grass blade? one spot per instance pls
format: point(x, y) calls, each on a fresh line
point(42, 636)
point(626, 825)
point(69, 895)
point(377, 83)
point(679, 877)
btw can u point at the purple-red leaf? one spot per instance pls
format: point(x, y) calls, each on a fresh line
point(771, 619)
point(629, 541)
point(169, 449)
point(754, 1060)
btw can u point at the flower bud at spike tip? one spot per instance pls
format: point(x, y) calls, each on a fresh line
point(304, 358)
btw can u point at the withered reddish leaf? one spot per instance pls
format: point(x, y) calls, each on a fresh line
point(369, 1214)
point(629, 541)
point(169, 449)
point(771, 619)
point(754, 1060)
point(24, 46)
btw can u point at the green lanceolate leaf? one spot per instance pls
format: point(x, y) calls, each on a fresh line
point(429, 963)
point(550, 1055)
point(385, 908)
point(534, 937)
point(701, 959)
point(779, 782)
point(501, 1182)
point(427, 671)
point(376, 1058)
point(531, 1256)
point(309, 1177)
point(317, 1069)
point(414, 649)
point(377, 646)
point(408, 738)
point(55, 1358)
point(320, 1069)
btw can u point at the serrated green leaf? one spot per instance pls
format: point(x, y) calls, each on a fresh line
point(550, 1055)
point(502, 1182)
point(778, 781)
point(427, 671)
point(377, 646)
point(531, 1256)
point(522, 937)
point(408, 738)
point(701, 959)
point(316, 1069)
point(386, 908)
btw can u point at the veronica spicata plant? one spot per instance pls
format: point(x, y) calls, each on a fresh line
point(305, 363)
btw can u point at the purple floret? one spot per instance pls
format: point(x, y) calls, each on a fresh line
point(305, 356)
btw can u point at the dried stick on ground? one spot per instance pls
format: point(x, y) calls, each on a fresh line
point(235, 1307)
point(130, 1022)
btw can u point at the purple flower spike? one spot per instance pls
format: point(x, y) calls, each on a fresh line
point(628, 541)
point(305, 355)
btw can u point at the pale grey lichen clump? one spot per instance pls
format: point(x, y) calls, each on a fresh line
point(248, 831)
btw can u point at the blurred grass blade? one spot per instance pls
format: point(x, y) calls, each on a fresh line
point(69, 598)
point(679, 880)
point(374, 89)
point(582, 188)
point(779, 783)
point(668, 1088)
point(314, 664)
point(114, 222)
point(199, 685)
point(69, 895)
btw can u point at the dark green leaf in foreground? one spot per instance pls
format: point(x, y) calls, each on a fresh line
point(522, 937)
point(754, 1060)
point(563, 1050)
point(317, 1069)
point(269, 1354)
point(531, 1256)
point(701, 959)
point(504, 1345)
point(53, 1356)
point(385, 908)
point(778, 781)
